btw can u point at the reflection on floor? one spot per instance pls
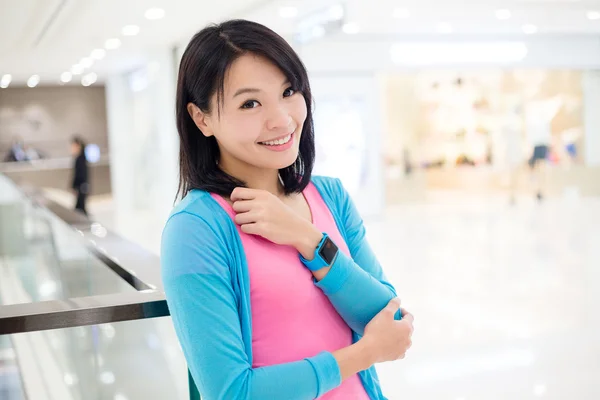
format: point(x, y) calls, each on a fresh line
point(505, 297)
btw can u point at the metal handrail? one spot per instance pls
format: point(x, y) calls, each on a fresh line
point(137, 266)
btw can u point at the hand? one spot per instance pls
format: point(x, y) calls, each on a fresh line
point(386, 338)
point(259, 212)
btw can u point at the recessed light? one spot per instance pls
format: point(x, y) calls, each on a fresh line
point(154, 13)
point(503, 14)
point(350, 28)
point(593, 15)
point(98, 54)
point(529, 29)
point(445, 28)
point(288, 12)
point(33, 81)
point(86, 62)
point(77, 69)
point(89, 79)
point(401, 13)
point(5, 81)
point(112, 44)
point(66, 77)
point(130, 30)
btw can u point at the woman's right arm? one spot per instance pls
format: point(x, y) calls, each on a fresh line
point(197, 283)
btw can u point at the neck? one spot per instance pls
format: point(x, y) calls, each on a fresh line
point(257, 178)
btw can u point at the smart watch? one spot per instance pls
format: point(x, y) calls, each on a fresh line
point(325, 254)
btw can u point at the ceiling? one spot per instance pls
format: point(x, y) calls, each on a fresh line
point(47, 37)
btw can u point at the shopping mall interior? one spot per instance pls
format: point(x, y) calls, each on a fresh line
point(466, 132)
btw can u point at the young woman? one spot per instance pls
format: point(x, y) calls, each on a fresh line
point(273, 289)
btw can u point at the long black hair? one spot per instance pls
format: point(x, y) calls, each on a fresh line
point(202, 74)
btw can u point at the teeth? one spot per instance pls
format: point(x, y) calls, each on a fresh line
point(278, 142)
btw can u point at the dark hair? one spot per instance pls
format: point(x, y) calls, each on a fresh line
point(202, 71)
point(80, 142)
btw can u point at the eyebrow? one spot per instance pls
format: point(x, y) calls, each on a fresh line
point(255, 90)
point(246, 90)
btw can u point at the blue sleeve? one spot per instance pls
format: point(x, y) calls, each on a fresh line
point(197, 282)
point(356, 285)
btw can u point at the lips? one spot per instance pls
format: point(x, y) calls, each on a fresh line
point(278, 140)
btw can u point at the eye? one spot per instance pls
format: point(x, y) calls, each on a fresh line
point(250, 104)
point(288, 92)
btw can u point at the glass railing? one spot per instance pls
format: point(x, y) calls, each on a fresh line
point(82, 312)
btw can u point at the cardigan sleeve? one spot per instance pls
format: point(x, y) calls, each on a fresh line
point(356, 285)
point(195, 267)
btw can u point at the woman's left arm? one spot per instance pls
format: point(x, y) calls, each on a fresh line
point(356, 285)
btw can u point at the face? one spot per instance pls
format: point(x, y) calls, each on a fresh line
point(75, 149)
point(260, 119)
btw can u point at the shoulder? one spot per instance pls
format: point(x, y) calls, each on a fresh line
point(197, 228)
point(331, 189)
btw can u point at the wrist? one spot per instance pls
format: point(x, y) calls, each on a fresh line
point(308, 240)
point(367, 360)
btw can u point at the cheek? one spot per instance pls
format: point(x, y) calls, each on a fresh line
point(299, 110)
point(241, 130)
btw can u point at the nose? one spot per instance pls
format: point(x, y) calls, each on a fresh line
point(279, 118)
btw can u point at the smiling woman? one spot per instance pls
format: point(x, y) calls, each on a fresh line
point(273, 289)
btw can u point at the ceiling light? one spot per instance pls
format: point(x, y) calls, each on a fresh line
point(5, 81)
point(130, 30)
point(401, 13)
point(593, 15)
point(350, 28)
point(89, 79)
point(77, 69)
point(112, 44)
point(443, 53)
point(154, 13)
point(529, 29)
point(33, 81)
point(107, 377)
point(288, 12)
point(445, 28)
point(503, 14)
point(86, 62)
point(66, 77)
point(98, 54)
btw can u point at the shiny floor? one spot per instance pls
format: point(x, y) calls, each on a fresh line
point(504, 296)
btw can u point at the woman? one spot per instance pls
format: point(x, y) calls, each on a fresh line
point(80, 183)
point(273, 290)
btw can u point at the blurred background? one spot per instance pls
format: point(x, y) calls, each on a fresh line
point(467, 132)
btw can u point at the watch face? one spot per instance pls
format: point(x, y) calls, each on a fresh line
point(328, 251)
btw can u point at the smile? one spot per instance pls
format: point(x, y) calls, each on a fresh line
point(279, 141)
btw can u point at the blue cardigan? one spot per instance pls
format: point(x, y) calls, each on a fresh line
point(207, 287)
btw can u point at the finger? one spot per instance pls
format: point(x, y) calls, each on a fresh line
point(393, 306)
point(241, 206)
point(250, 229)
point(246, 218)
point(407, 317)
point(242, 193)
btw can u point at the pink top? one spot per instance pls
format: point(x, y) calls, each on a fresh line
point(291, 317)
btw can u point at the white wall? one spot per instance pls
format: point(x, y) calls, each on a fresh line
point(143, 136)
point(356, 160)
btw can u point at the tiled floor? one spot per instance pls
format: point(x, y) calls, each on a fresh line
point(505, 297)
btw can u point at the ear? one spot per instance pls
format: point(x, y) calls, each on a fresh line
point(201, 119)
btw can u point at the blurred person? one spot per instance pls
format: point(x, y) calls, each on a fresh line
point(273, 289)
point(538, 119)
point(16, 152)
point(80, 183)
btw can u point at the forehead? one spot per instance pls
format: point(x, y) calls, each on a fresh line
point(252, 71)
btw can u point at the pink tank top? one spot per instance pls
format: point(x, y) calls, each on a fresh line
point(291, 318)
